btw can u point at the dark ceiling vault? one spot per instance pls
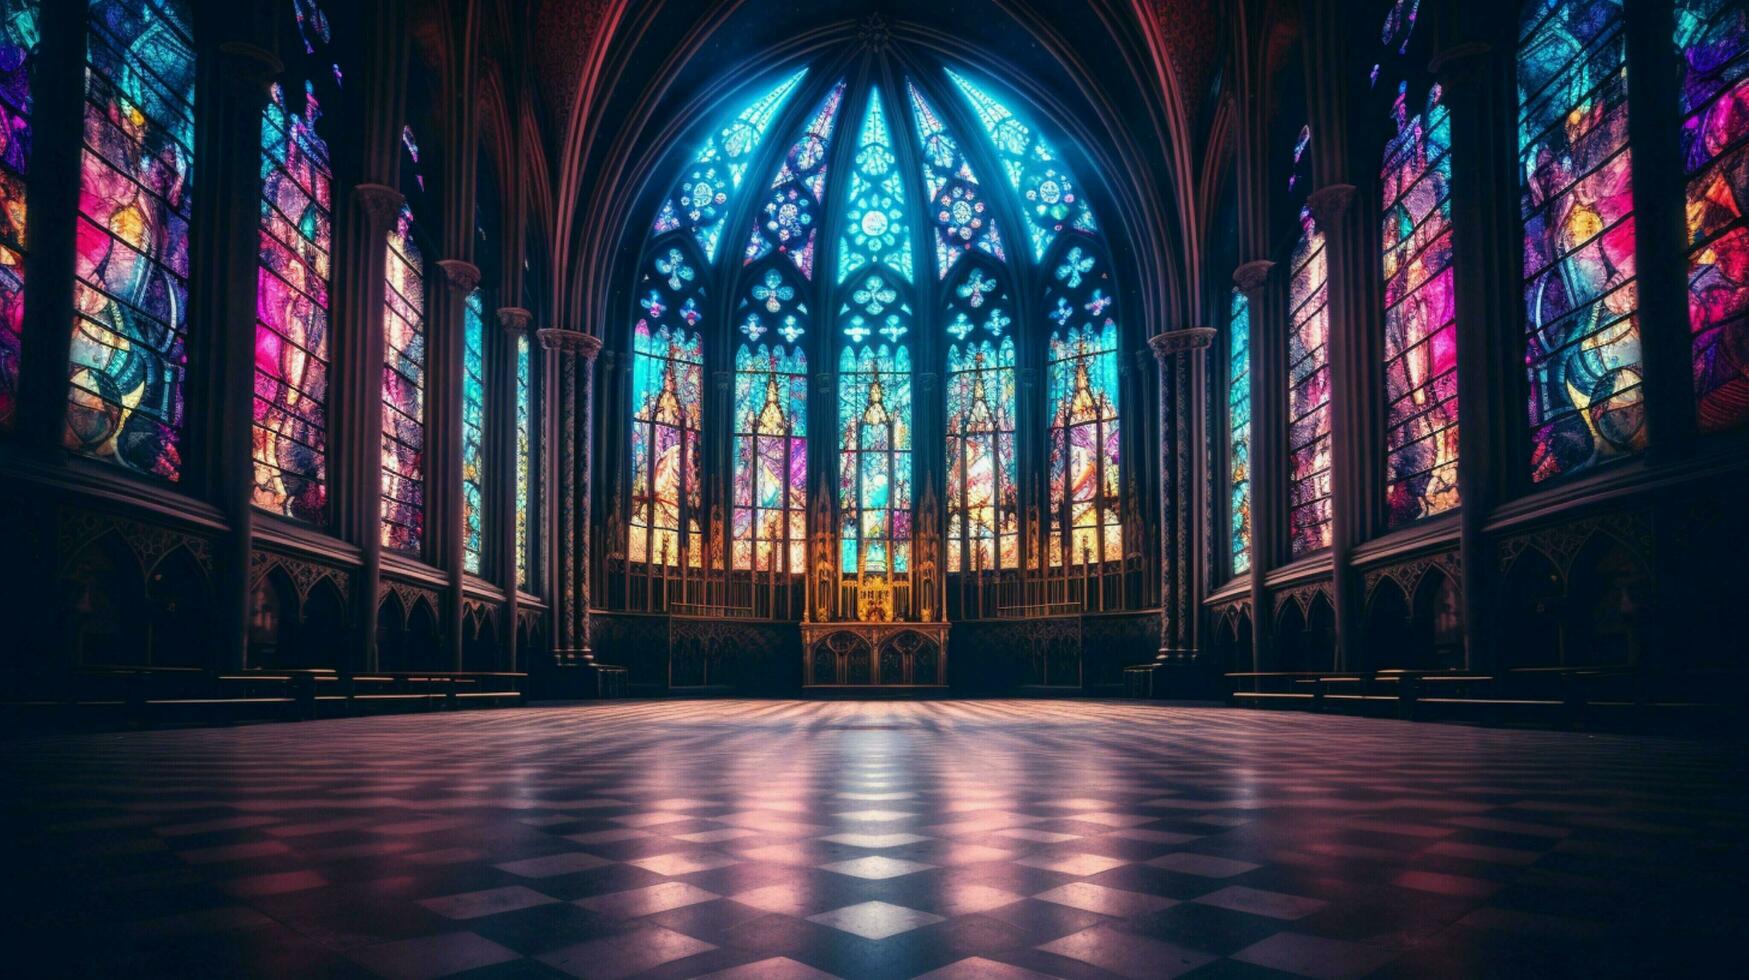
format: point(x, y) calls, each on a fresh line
point(617, 83)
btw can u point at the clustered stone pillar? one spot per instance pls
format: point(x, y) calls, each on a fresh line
point(231, 138)
point(448, 350)
point(513, 321)
point(575, 395)
point(1264, 294)
point(1178, 354)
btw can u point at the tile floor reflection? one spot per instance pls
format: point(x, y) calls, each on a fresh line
point(758, 839)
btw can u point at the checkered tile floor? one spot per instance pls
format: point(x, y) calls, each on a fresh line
point(987, 839)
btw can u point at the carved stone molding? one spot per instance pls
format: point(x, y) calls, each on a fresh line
point(1329, 202)
point(148, 543)
point(569, 342)
point(1562, 543)
point(462, 274)
point(409, 595)
point(1251, 276)
point(1408, 575)
point(251, 63)
point(1172, 342)
point(303, 574)
point(1302, 596)
point(514, 319)
point(380, 201)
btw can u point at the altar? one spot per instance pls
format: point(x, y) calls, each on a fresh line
point(874, 654)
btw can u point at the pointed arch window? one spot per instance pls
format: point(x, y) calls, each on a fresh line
point(18, 44)
point(129, 355)
point(290, 448)
point(1420, 322)
point(524, 461)
point(771, 459)
point(1713, 39)
point(1580, 294)
point(403, 433)
point(874, 375)
point(1308, 371)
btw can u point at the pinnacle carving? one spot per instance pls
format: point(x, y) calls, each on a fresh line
point(380, 202)
point(1251, 276)
point(514, 318)
point(1328, 203)
point(462, 274)
point(1173, 342)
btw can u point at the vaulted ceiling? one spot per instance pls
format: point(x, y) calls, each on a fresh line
point(618, 81)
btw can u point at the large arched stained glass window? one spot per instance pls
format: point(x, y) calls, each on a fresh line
point(1239, 430)
point(291, 326)
point(18, 43)
point(770, 493)
point(1713, 37)
point(1580, 298)
point(874, 368)
point(700, 202)
point(129, 355)
point(403, 435)
point(1080, 302)
point(1420, 340)
point(1308, 395)
point(473, 432)
point(983, 496)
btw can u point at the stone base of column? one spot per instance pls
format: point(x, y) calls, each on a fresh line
point(580, 680)
point(1178, 678)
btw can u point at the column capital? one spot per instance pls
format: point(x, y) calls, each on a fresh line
point(250, 63)
point(569, 342)
point(462, 274)
point(1251, 276)
point(515, 319)
point(1328, 203)
point(1458, 61)
point(380, 202)
point(1173, 342)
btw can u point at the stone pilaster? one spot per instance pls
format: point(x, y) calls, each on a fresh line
point(447, 344)
point(1179, 354)
point(501, 497)
point(1265, 292)
point(226, 212)
point(571, 594)
point(1356, 475)
point(1493, 451)
point(357, 399)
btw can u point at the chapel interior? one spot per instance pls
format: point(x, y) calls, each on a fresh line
point(874, 488)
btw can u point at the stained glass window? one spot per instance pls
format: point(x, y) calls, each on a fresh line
point(789, 221)
point(1713, 37)
point(1084, 440)
point(983, 505)
point(771, 459)
point(1421, 398)
point(403, 435)
point(1239, 430)
point(667, 386)
point(473, 431)
point(291, 325)
point(700, 200)
point(18, 43)
point(961, 217)
point(524, 460)
point(876, 235)
point(129, 350)
point(1581, 302)
point(1050, 197)
point(1308, 370)
point(874, 456)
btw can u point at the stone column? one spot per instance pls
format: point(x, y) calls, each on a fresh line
point(1264, 291)
point(501, 436)
point(1493, 447)
point(1179, 354)
point(227, 215)
point(449, 543)
point(358, 402)
point(1356, 476)
point(571, 568)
